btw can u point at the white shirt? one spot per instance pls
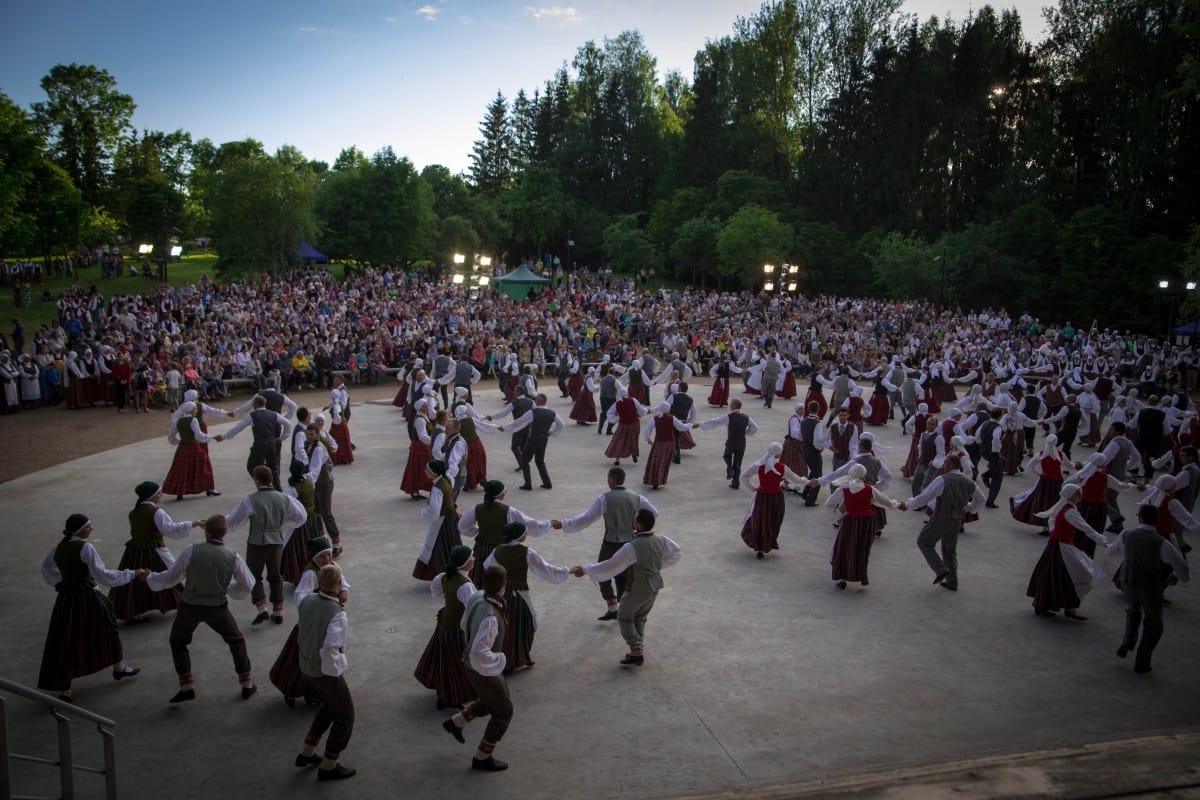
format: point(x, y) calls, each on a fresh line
point(464, 593)
point(244, 423)
point(626, 557)
point(1168, 552)
point(715, 422)
point(469, 526)
point(333, 649)
point(527, 419)
point(480, 655)
point(934, 490)
point(308, 585)
point(88, 555)
point(201, 436)
point(596, 510)
point(240, 583)
point(295, 516)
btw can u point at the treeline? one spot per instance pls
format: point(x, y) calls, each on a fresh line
point(884, 155)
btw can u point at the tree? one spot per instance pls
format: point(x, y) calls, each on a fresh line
point(752, 237)
point(694, 250)
point(54, 211)
point(82, 121)
point(20, 154)
point(628, 248)
point(533, 208)
point(904, 267)
point(491, 156)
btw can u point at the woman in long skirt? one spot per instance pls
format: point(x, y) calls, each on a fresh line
point(420, 451)
point(817, 395)
point(339, 431)
point(148, 524)
point(760, 530)
point(583, 410)
point(858, 525)
point(1094, 482)
point(485, 521)
point(662, 445)
point(286, 675)
point(720, 372)
point(787, 388)
point(83, 636)
point(442, 534)
point(469, 427)
point(793, 443)
point(575, 380)
point(1048, 466)
point(917, 422)
point(191, 470)
point(295, 549)
point(1013, 440)
point(520, 562)
point(1063, 574)
point(441, 667)
point(626, 414)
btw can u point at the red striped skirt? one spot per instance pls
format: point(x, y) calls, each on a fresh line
point(476, 464)
point(441, 667)
point(584, 409)
point(789, 387)
point(760, 531)
point(1045, 494)
point(719, 396)
point(1050, 585)
point(135, 597)
point(82, 639)
point(819, 399)
point(624, 441)
point(658, 463)
point(793, 456)
point(341, 434)
point(415, 478)
point(191, 472)
point(852, 549)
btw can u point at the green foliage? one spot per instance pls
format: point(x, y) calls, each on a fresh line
point(904, 267)
point(20, 154)
point(694, 250)
point(752, 237)
point(628, 248)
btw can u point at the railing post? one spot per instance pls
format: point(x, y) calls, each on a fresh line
point(66, 773)
point(5, 780)
point(110, 763)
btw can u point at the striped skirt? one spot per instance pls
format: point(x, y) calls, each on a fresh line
point(686, 442)
point(441, 667)
point(584, 409)
point(880, 408)
point(819, 399)
point(793, 456)
point(191, 472)
point(910, 463)
point(401, 398)
point(286, 675)
point(136, 598)
point(624, 442)
point(415, 478)
point(518, 636)
point(341, 434)
point(575, 386)
point(481, 550)
point(852, 549)
point(789, 386)
point(1043, 495)
point(719, 396)
point(476, 464)
point(1050, 585)
point(447, 540)
point(760, 531)
point(1012, 450)
point(295, 551)
point(509, 387)
point(658, 463)
point(82, 639)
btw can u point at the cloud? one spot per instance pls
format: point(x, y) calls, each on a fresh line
point(308, 29)
point(429, 13)
point(557, 13)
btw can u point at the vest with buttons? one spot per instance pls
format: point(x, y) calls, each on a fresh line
point(315, 612)
point(209, 570)
point(620, 507)
point(143, 533)
point(646, 573)
point(513, 557)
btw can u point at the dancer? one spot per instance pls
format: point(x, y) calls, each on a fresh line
point(320, 472)
point(416, 479)
point(148, 524)
point(286, 674)
point(469, 427)
point(738, 426)
point(1094, 483)
point(583, 410)
point(626, 414)
point(1063, 574)
point(441, 535)
point(485, 521)
point(542, 423)
point(295, 549)
point(339, 428)
point(1048, 466)
point(764, 518)
point(663, 425)
point(191, 470)
point(441, 667)
point(951, 496)
point(82, 637)
point(857, 501)
point(268, 428)
point(519, 562)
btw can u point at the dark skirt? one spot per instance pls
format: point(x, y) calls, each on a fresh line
point(1012, 450)
point(1050, 585)
point(789, 386)
point(82, 639)
point(1045, 494)
point(447, 540)
point(624, 442)
point(880, 408)
point(136, 598)
point(880, 518)
point(401, 398)
point(658, 463)
point(476, 464)
point(933, 399)
point(760, 531)
point(518, 636)
point(441, 667)
point(686, 442)
point(793, 456)
point(509, 387)
point(719, 396)
point(341, 434)
point(295, 551)
point(852, 549)
point(481, 550)
point(286, 675)
point(819, 399)
point(575, 386)
point(415, 478)
point(1096, 515)
point(910, 463)
point(584, 409)
point(191, 472)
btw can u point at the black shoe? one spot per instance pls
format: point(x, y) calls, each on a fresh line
point(609, 615)
point(941, 577)
point(248, 691)
point(128, 672)
point(338, 773)
point(308, 761)
point(525, 487)
point(183, 695)
point(635, 459)
point(1123, 651)
point(1043, 613)
point(951, 586)
point(449, 727)
point(631, 660)
point(547, 486)
point(1115, 527)
point(1071, 613)
point(759, 555)
point(262, 617)
point(178, 497)
point(213, 493)
point(290, 701)
point(733, 486)
point(277, 619)
point(840, 584)
point(337, 552)
point(489, 764)
point(1141, 669)
point(990, 505)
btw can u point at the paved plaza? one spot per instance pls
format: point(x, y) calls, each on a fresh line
point(757, 672)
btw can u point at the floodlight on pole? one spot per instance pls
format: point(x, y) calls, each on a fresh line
point(1164, 284)
point(459, 259)
point(1191, 286)
point(769, 286)
point(768, 269)
point(145, 249)
point(485, 261)
point(484, 280)
point(457, 279)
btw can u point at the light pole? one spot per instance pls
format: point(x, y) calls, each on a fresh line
point(768, 277)
point(1174, 293)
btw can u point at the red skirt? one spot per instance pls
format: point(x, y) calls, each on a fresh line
point(624, 442)
point(686, 442)
point(415, 478)
point(584, 409)
point(933, 399)
point(948, 395)
point(760, 531)
point(476, 464)
point(789, 387)
point(1050, 585)
point(441, 667)
point(574, 386)
point(136, 598)
point(191, 472)
point(74, 393)
point(401, 398)
point(510, 388)
point(793, 456)
point(881, 406)
point(1045, 494)
point(719, 396)
point(658, 463)
point(819, 399)
point(82, 639)
point(910, 463)
point(341, 434)
point(852, 549)
point(286, 675)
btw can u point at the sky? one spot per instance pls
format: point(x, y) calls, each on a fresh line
point(324, 75)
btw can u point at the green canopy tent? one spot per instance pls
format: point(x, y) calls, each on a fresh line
point(518, 283)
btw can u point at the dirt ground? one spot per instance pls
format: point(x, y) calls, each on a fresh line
point(40, 438)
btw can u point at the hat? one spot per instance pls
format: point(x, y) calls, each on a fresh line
point(460, 555)
point(75, 523)
point(437, 466)
point(514, 531)
point(492, 489)
point(145, 490)
point(318, 545)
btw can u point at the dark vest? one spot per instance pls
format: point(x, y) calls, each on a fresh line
point(543, 421)
point(608, 387)
point(274, 400)
point(263, 426)
point(1143, 566)
point(450, 615)
point(491, 521)
point(73, 572)
point(986, 431)
point(143, 533)
point(738, 424)
point(681, 405)
point(808, 430)
point(463, 372)
point(513, 558)
point(520, 407)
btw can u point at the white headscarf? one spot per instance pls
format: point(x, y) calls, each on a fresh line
point(184, 409)
point(771, 457)
point(663, 408)
point(1050, 449)
point(922, 408)
point(854, 480)
point(1163, 484)
point(191, 395)
point(1095, 462)
point(1065, 494)
point(462, 411)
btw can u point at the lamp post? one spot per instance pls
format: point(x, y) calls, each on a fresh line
point(768, 277)
point(1174, 293)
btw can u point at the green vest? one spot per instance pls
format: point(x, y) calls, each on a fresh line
point(183, 428)
point(514, 560)
point(306, 494)
point(466, 427)
point(143, 533)
point(315, 612)
point(71, 569)
point(491, 520)
point(447, 490)
point(450, 615)
point(477, 610)
point(268, 510)
point(620, 507)
point(646, 573)
point(209, 571)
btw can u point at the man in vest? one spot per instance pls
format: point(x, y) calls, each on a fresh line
point(211, 574)
point(814, 437)
point(608, 396)
point(484, 623)
point(770, 374)
point(443, 373)
point(454, 453)
point(1121, 458)
point(843, 439)
point(563, 368)
point(268, 511)
point(618, 507)
point(319, 469)
point(268, 428)
point(1151, 429)
point(1187, 487)
point(643, 558)
point(521, 405)
point(1066, 421)
point(952, 495)
point(682, 408)
point(908, 394)
point(322, 646)
point(738, 427)
point(542, 423)
point(987, 436)
point(841, 385)
point(466, 376)
point(895, 383)
point(931, 448)
point(1151, 561)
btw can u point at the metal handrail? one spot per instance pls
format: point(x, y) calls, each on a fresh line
point(62, 711)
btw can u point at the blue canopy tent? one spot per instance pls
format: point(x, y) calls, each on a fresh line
point(310, 255)
point(1189, 330)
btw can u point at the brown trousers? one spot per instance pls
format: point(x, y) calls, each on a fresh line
point(188, 618)
point(337, 709)
point(494, 700)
